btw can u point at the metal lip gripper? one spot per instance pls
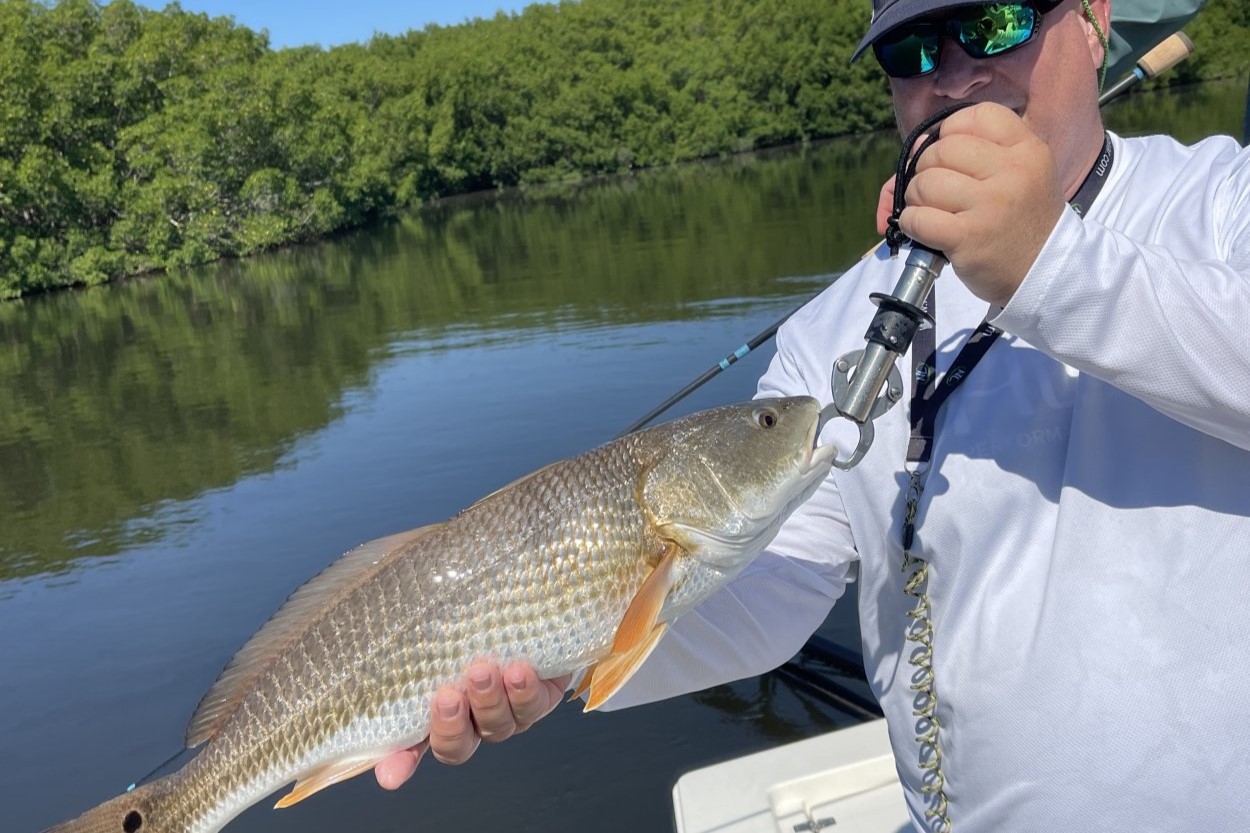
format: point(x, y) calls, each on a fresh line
point(866, 383)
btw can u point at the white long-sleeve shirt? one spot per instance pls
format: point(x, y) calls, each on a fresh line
point(1086, 520)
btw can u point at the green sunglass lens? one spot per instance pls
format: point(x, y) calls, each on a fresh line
point(999, 27)
point(910, 55)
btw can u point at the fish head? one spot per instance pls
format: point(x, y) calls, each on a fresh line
point(725, 479)
point(142, 810)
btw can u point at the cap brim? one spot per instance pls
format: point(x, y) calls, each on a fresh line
point(905, 11)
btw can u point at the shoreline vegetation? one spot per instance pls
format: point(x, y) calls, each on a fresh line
point(133, 141)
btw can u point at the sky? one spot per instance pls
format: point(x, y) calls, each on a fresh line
point(332, 22)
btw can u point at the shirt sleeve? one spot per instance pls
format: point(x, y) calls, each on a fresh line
point(769, 610)
point(1167, 330)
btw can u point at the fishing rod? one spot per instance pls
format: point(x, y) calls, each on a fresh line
point(713, 371)
point(1163, 57)
point(1167, 54)
point(1245, 126)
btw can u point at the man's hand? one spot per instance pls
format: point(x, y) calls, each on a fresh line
point(489, 705)
point(885, 205)
point(988, 195)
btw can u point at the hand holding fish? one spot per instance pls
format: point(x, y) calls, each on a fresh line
point(493, 706)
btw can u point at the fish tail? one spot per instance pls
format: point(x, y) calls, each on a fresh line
point(151, 808)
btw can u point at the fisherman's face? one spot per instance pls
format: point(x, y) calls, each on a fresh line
point(1051, 82)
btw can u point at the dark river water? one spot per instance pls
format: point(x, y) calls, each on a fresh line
point(178, 454)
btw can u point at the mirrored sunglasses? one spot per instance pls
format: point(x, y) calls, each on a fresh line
point(914, 49)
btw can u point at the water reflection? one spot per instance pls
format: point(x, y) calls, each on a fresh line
point(779, 711)
point(1189, 114)
point(125, 399)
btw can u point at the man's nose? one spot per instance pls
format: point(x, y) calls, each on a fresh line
point(959, 74)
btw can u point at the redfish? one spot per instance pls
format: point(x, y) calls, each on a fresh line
point(579, 566)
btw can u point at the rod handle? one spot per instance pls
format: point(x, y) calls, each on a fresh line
point(1166, 55)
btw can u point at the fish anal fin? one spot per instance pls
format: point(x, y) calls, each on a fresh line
point(292, 620)
point(615, 671)
point(326, 776)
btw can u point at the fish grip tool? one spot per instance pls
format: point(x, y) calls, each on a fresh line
point(866, 383)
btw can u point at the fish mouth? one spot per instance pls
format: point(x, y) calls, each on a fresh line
point(818, 457)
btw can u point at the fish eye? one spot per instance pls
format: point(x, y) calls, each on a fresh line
point(132, 822)
point(766, 417)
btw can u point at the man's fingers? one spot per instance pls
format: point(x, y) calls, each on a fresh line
point(526, 695)
point(532, 699)
point(933, 227)
point(975, 156)
point(990, 121)
point(489, 700)
point(492, 705)
point(943, 189)
point(453, 739)
point(885, 205)
point(394, 770)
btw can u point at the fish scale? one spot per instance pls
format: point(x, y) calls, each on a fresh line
point(543, 571)
point(381, 673)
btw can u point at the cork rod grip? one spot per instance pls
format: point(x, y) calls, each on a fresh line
point(1166, 55)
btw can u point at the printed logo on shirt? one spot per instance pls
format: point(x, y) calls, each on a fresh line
point(1018, 413)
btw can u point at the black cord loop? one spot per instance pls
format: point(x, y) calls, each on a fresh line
point(906, 169)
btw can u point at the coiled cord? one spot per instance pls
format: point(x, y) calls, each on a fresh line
point(924, 704)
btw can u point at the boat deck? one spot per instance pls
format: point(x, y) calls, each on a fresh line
point(845, 779)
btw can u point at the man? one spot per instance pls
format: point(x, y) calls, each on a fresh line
point(1064, 634)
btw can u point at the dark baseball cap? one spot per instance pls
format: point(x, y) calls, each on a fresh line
point(890, 14)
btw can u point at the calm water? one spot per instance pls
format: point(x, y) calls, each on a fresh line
point(177, 455)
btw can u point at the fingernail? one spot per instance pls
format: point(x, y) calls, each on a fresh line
point(516, 681)
point(480, 678)
point(449, 708)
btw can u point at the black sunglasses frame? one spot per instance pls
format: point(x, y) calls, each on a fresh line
point(946, 27)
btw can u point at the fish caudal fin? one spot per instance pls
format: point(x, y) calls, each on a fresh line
point(326, 776)
point(636, 637)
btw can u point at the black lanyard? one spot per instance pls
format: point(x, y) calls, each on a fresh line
point(928, 393)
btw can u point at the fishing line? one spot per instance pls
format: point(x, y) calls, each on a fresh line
point(159, 767)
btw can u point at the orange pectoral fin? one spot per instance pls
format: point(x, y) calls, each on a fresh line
point(584, 684)
point(615, 671)
point(324, 777)
point(637, 635)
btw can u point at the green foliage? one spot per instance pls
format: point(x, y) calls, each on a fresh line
point(1221, 34)
point(133, 140)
